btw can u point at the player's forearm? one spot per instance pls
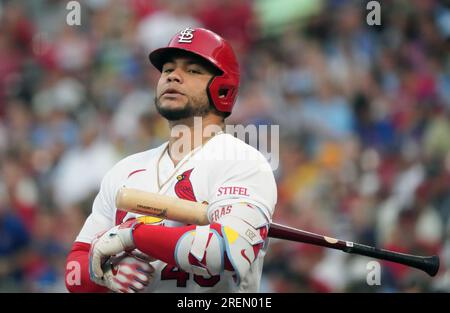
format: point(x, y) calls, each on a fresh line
point(160, 242)
point(77, 270)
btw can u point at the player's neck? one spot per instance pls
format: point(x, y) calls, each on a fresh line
point(188, 134)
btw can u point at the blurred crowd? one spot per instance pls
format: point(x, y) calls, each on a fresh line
point(364, 115)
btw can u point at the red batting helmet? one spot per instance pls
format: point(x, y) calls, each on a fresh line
point(222, 89)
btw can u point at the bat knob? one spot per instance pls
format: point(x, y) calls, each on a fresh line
point(431, 265)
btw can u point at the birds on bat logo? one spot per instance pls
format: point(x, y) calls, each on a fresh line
point(183, 187)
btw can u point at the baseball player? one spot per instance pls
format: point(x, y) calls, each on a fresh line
point(124, 252)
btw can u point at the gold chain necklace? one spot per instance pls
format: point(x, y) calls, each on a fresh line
point(179, 165)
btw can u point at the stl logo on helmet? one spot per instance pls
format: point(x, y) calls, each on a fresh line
point(186, 35)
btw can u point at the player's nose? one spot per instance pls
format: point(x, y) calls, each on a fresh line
point(175, 76)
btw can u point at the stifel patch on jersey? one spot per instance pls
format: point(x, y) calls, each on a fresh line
point(232, 190)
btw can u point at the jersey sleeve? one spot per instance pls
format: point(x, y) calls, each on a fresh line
point(100, 219)
point(249, 181)
point(103, 210)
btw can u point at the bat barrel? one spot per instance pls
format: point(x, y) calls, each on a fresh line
point(428, 264)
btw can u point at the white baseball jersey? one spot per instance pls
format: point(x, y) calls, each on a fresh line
point(225, 169)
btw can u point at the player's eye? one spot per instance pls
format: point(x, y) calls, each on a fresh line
point(167, 70)
point(194, 71)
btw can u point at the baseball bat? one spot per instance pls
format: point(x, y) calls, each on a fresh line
point(189, 212)
point(428, 264)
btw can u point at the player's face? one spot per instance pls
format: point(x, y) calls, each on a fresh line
point(181, 90)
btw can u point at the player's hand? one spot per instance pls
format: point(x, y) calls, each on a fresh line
point(126, 274)
point(112, 242)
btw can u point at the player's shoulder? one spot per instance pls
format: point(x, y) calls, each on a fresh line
point(233, 154)
point(230, 145)
point(135, 162)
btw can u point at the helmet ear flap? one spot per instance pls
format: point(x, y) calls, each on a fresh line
point(221, 93)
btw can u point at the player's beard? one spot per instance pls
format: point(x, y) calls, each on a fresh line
point(196, 106)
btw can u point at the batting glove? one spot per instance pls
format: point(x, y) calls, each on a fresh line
point(112, 242)
point(126, 274)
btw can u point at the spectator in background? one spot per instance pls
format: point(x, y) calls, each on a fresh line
point(233, 19)
point(156, 29)
point(83, 166)
point(14, 240)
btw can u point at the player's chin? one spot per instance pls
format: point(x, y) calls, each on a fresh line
point(176, 102)
point(172, 110)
